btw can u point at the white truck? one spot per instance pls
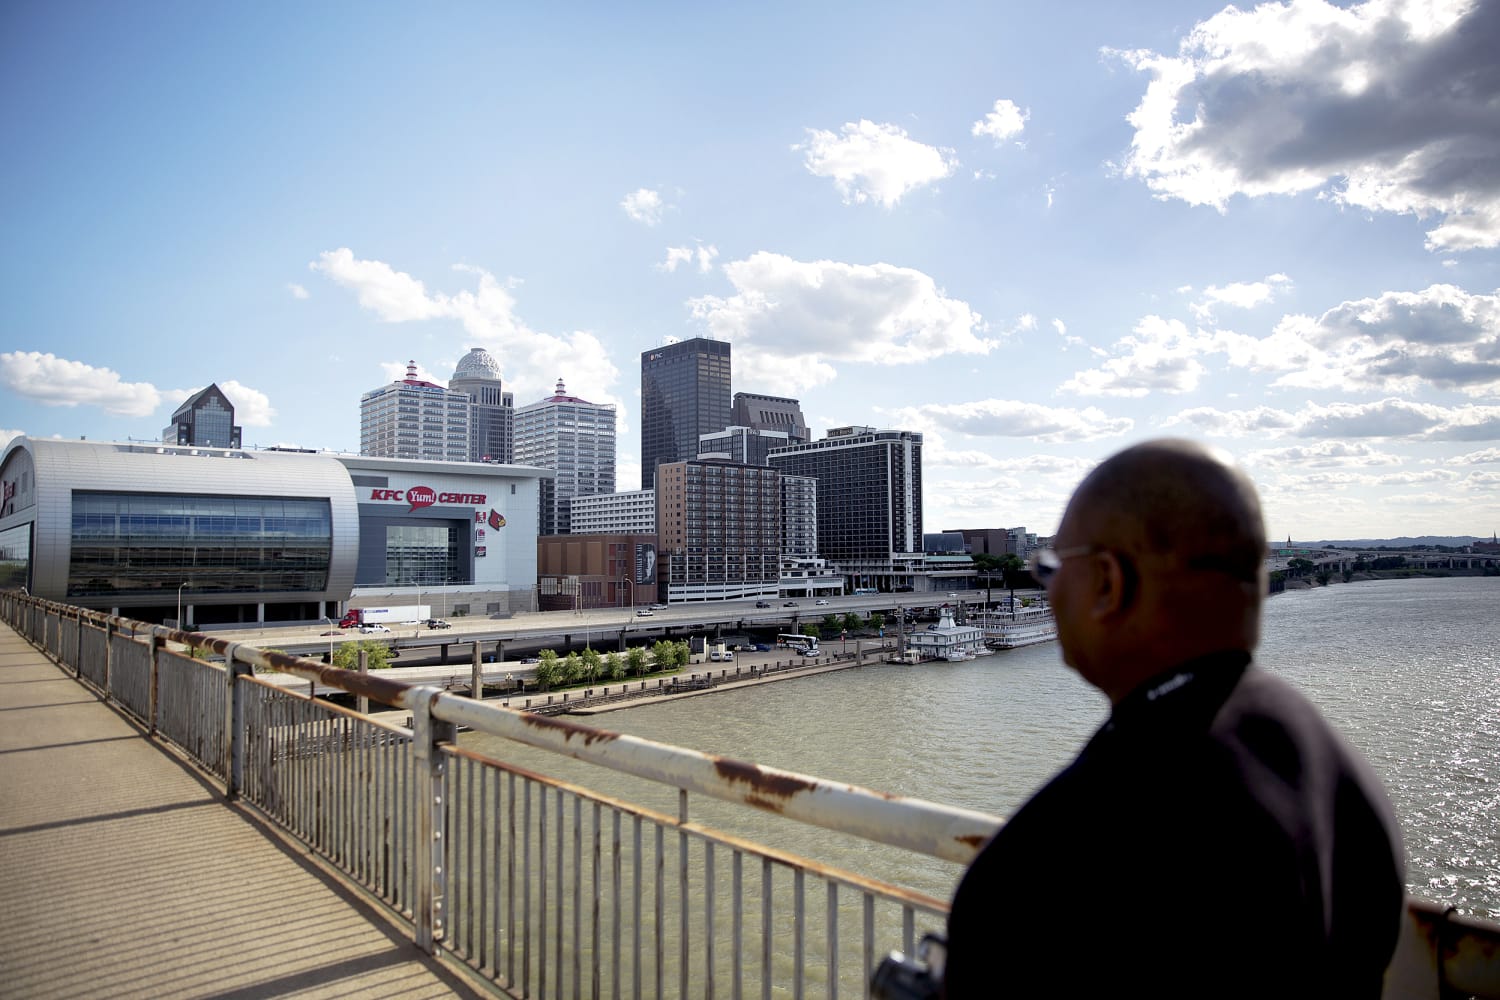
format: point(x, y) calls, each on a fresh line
point(355, 617)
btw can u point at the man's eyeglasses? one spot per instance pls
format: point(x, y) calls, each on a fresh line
point(1048, 561)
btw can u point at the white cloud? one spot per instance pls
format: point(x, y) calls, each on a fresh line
point(532, 361)
point(252, 408)
point(644, 206)
point(1004, 121)
point(870, 162)
point(298, 292)
point(801, 316)
point(1160, 355)
point(54, 381)
point(1239, 294)
point(1391, 418)
point(1387, 105)
point(394, 296)
point(1323, 455)
point(7, 436)
point(1483, 457)
point(676, 256)
point(1014, 418)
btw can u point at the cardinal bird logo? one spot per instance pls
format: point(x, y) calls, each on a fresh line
point(497, 519)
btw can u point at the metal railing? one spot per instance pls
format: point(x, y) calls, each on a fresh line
point(548, 889)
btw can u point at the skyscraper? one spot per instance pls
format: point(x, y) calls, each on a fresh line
point(769, 413)
point(576, 439)
point(477, 375)
point(718, 530)
point(869, 501)
point(684, 393)
point(413, 418)
point(204, 420)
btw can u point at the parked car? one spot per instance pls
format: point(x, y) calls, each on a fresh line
point(659, 607)
point(820, 601)
point(762, 604)
point(788, 604)
point(373, 627)
point(761, 647)
point(645, 613)
point(437, 623)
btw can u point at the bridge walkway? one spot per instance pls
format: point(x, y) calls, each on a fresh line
point(124, 874)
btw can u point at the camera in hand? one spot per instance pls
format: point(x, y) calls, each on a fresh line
point(898, 977)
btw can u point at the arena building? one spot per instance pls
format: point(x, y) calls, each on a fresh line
point(214, 536)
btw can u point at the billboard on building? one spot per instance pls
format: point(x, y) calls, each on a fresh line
point(645, 562)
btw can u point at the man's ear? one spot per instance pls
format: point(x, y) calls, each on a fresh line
point(1115, 583)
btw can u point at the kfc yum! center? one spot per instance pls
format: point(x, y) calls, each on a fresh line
point(234, 536)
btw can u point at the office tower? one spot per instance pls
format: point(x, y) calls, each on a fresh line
point(741, 444)
point(769, 413)
point(718, 530)
point(574, 438)
point(413, 418)
point(684, 393)
point(869, 501)
point(204, 420)
point(477, 375)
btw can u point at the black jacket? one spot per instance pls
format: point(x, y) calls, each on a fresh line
point(1214, 838)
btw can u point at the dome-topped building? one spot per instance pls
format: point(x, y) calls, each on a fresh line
point(477, 376)
point(477, 364)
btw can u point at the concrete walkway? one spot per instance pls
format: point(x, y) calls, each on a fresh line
point(123, 872)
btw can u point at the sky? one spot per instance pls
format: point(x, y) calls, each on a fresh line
point(1036, 233)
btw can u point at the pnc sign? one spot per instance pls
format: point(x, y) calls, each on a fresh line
point(426, 496)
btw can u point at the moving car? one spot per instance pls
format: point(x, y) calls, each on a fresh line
point(437, 623)
point(762, 604)
point(820, 601)
point(373, 627)
point(645, 613)
point(788, 604)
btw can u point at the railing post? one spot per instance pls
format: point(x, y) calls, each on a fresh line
point(362, 702)
point(429, 815)
point(234, 722)
point(157, 649)
point(476, 676)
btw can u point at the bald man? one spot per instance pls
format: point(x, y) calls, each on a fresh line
point(1215, 837)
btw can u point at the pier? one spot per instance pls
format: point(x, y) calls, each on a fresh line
point(171, 827)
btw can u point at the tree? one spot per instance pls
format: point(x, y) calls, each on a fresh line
point(877, 620)
point(811, 630)
point(548, 671)
point(1324, 575)
point(663, 655)
point(592, 661)
point(635, 656)
point(682, 653)
point(1299, 566)
point(614, 667)
point(572, 669)
point(830, 623)
point(378, 654)
point(853, 621)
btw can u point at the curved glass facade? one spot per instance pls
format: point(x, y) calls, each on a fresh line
point(144, 543)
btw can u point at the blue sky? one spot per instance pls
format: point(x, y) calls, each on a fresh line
point(1036, 235)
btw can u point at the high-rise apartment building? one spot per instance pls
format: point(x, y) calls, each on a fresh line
point(574, 438)
point(684, 394)
point(204, 420)
point(769, 413)
point(718, 530)
point(869, 501)
point(632, 512)
point(741, 444)
point(414, 418)
point(492, 409)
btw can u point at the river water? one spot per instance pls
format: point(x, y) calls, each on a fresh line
point(1407, 670)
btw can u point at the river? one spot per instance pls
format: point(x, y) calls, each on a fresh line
point(1408, 670)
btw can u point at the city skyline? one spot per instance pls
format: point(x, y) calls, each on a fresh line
point(1032, 236)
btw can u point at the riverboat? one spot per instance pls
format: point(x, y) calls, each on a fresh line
point(1017, 625)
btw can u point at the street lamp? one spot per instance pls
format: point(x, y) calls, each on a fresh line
point(184, 583)
point(417, 585)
